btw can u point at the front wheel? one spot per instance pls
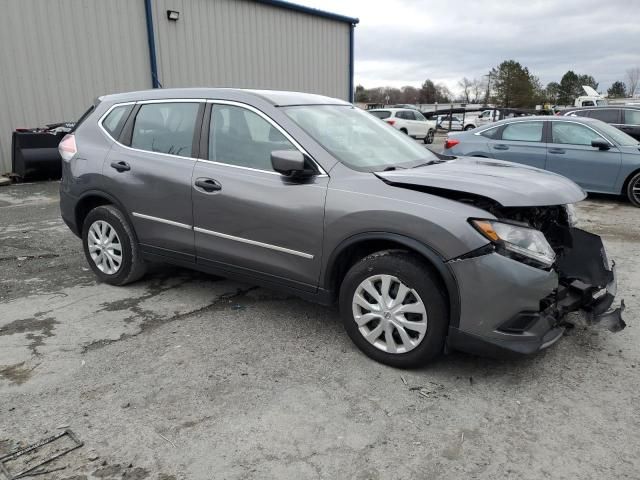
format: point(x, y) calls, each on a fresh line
point(429, 137)
point(633, 190)
point(111, 247)
point(393, 307)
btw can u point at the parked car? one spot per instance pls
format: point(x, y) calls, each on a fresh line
point(408, 121)
point(456, 122)
point(597, 156)
point(623, 117)
point(316, 197)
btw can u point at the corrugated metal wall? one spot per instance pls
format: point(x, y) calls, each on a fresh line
point(57, 56)
point(246, 44)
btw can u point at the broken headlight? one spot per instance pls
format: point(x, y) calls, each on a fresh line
point(519, 242)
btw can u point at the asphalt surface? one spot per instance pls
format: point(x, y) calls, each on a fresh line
point(189, 376)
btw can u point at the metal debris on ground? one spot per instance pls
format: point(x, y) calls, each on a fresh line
point(32, 454)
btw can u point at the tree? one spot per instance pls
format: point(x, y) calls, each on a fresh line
point(478, 88)
point(409, 94)
point(443, 94)
point(571, 86)
point(513, 85)
point(362, 95)
point(428, 92)
point(466, 85)
point(633, 77)
point(552, 92)
point(618, 89)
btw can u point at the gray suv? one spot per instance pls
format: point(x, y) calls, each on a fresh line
point(310, 194)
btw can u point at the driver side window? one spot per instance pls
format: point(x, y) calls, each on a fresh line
point(240, 137)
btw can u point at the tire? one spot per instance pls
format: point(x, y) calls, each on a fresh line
point(404, 130)
point(418, 278)
point(429, 138)
point(469, 127)
point(98, 225)
point(633, 190)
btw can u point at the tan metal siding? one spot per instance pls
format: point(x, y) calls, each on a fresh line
point(57, 56)
point(245, 44)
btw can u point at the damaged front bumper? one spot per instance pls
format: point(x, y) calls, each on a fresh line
point(508, 307)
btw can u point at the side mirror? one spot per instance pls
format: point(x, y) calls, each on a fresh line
point(600, 144)
point(290, 163)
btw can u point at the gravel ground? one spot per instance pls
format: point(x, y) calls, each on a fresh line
point(188, 376)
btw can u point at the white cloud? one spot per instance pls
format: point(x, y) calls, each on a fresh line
point(403, 42)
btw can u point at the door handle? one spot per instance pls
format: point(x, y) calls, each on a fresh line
point(208, 184)
point(500, 147)
point(121, 166)
point(557, 150)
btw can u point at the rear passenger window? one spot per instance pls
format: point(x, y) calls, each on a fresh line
point(165, 128)
point(114, 122)
point(632, 117)
point(607, 115)
point(240, 137)
point(523, 132)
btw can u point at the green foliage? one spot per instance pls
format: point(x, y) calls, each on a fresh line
point(513, 86)
point(571, 87)
point(618, 89)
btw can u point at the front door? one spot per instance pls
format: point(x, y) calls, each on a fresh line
point(570, 153)
point(150, 174)
point(247, 217)
point(521, 142)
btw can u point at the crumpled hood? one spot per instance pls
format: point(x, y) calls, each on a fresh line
point(510, 184)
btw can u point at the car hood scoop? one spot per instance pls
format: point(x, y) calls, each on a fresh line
point(507, 183)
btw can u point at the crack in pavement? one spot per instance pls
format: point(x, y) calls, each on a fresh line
point(152, 321)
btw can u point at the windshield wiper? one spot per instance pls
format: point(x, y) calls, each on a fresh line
point(392, 168)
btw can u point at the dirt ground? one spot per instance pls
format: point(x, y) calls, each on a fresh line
point(188, 376)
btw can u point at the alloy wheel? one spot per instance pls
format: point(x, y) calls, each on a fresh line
point(104, 247)
point(390, 315)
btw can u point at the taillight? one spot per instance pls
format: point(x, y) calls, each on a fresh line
point(451, 142)
point(390, 122)
point(67, 147)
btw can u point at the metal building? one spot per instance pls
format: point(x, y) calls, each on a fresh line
point(56, 57)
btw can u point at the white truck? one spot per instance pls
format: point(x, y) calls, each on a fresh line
point(591, 99)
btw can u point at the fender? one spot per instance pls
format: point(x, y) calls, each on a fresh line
point(106, 196)
point(434, 258)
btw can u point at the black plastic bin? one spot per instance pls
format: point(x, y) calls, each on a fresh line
point(35, 155)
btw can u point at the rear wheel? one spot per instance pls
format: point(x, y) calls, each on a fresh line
point(404, 130)
point(393, 307)
point(429, 137)
point(633, 190)
point(469, 127)
point(111, 247)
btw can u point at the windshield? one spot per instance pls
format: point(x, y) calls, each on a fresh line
point(358, 139)
point(618, 136)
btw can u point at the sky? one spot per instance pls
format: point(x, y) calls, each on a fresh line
point(404, 42)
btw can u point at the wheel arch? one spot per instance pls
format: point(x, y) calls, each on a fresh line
point(92, 199)
point(352, 249)
point(625, 184)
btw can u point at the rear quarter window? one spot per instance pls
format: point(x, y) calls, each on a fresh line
point(116, 119)
point(381, 114)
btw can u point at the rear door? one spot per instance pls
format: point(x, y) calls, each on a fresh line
point(631, 123)
point(149, 172)
point(569, 153)
point(521, 142)
point(252, 219)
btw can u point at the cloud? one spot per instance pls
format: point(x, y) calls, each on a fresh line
point(403, 42)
